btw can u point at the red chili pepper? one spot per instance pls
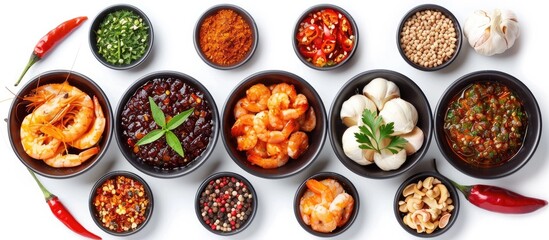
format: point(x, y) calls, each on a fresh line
point(62, 213)
point(50, 40)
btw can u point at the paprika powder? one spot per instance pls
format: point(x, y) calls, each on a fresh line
point(225, 37)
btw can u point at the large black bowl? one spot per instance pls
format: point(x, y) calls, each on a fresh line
point(409, 91)
point(531, 138)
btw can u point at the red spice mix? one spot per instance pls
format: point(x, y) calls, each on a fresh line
point(121, 204)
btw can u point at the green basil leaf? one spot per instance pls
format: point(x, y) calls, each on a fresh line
point(179, 119)
point(174, 143)
point(151, 137)
point(157, 114)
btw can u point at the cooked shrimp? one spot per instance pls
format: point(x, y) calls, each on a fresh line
point(298, 143)
point(306, 205)
point(319, 188)
point(342, 208)
point(322, 220)
point(244, 132)
point(42, 94)
point(274, 161)
point(275, 121)
point(334, 186)
point(278, 102)
point(239, 110)
point(92, 136)
point(73, 124)
point(260, 150)
point(36, 144)
point(298, 108)
point(63, 159)
point(307, 121)
point(261, 121)
point(285, 88)
point(256, 98)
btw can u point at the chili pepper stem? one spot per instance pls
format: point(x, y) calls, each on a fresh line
point(45, 191)
point(466, 190)
point(33, 59)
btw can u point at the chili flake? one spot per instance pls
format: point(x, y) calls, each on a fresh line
point(485, 124)
point(121, 204)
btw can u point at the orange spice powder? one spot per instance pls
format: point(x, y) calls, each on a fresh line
point(225, 37)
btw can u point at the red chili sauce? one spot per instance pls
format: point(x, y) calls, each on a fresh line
point(485, 124)
point(325, 37)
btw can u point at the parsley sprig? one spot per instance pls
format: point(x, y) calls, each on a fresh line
point(373, 132)
point(166, 128)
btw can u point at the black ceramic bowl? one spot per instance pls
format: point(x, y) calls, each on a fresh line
point(347, 186)
point(245, 196)
point(453, 195)
point(316, 137)
point(247, 50)
point(96, 25)
point(532, 133)
point(18, 111)
point(127, 189)
point(409, 91)
point(338, 54)
point(176, 99)
point(458, 35)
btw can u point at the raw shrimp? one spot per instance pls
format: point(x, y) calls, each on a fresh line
point(256, 98)
point(239, 110)
point(322, 220)
point(261, 121)
point(342, 207)
point(307, 121)
point(298, 143)
point(244, 132)
point(92, 136)
point(36, 144)
point(64, 159)
point(298, 108)
point(74, 123)
point(287, 89)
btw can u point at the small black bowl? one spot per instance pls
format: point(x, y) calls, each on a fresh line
point(163, 76)
point(18, 111)
point(246, 17)
point(345, 21)
point(453, 194)
point(316, 137)
point(251, 202)
point(101, 17)
point(122, 194)
point(532, 134)
point(348, 187)
point(458, 33)
point(409, 91)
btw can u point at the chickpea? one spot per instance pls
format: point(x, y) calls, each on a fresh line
point(428, 38)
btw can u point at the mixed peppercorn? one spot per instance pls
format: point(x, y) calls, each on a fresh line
point(121, 204)
point(226, 204)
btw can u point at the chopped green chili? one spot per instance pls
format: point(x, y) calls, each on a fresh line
point(122, 37)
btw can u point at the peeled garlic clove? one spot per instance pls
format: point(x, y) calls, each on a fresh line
point(388, 161)
point(352, 150)
point(400, 112)
point(491, 32)
point(380, 90)
point(415, 140)
point(352, 108)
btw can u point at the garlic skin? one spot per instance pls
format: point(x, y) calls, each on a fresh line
point(415, 140)
point(352, 150)
point(402, 113)
point(388, 161)
point(491, 32)
point(352, 108)
point(380, 90)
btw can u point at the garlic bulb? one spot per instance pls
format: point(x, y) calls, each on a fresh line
point(352, 108)
point(402, 113)
point(491, 32)
point(415, 140)
point(387, 161)
point(380, 90)
point(352, 150)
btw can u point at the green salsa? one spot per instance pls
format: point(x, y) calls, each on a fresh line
point(485, 124)
point(123, 37)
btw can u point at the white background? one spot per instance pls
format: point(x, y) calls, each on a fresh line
point(26, 215)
